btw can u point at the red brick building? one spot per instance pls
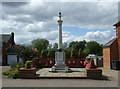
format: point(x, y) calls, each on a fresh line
point(111, 50)
point(7, 41)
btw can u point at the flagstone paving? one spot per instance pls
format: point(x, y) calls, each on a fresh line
point(77, 72)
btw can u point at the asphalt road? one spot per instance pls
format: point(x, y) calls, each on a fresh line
point(111, 82)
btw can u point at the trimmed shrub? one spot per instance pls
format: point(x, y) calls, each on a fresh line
point(74, 53)
point(19, 65)
point(67, 53)
point(43, 54)
point(51, 54)
point(28, 64)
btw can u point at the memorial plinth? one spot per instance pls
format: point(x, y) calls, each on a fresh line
point(60, 65)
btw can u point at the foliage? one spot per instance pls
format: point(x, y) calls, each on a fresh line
point(93, 48)
point(51, 54)
point(26, 53)
point(15, 66)
point(11, 73)
point(28, 64)
point(67, 53)
point(78, 45)
point(79, 53)
point(74, 53)
point(19, 65)
point(44, 54)
point(40, 44)
point(64, 45)
point(55, 46)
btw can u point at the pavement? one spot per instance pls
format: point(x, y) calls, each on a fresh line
point(77, 72)
point(112, 81)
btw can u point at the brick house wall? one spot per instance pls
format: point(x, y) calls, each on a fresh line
point(119, 46)
point(111, 50)
point(9, 43)
point(114, 54)
point(106, 58)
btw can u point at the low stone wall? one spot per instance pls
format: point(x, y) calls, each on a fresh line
point(94, 73)
point(27, 73)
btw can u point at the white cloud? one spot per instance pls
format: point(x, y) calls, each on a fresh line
point(39, 20)
point(99, 36)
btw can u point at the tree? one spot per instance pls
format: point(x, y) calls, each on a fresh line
point(81, 45)
point(55, 46)
point(40, 44)
point(64, 45)
point(78, 45)
point(93, 48)
point(26, 53)
point(73, 44)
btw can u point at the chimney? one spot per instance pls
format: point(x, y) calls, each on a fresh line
point(117, 29)
point(12, 35)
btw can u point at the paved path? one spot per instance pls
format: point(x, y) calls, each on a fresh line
point(111, 82)
point(77, 72)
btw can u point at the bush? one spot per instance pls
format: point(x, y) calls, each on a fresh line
point(74, 53)
point(19, 65)
point(51, 54)
point(13, 66)
point(28, 64)
point(11, 73)
point(67, 53)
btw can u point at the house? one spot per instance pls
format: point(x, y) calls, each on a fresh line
point(111, 50)
point(7, 41)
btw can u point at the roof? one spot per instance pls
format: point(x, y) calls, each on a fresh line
point(117, 24)
point(5, 38)
point(109, 43)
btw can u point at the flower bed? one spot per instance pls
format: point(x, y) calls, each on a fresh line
point(27, 73)
point(94, 73)
point(11, 73)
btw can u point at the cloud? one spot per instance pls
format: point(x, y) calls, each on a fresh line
point(39, 20)
point(15, 4)
point(99, 36)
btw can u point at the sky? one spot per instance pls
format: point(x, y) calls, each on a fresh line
point(90, 21)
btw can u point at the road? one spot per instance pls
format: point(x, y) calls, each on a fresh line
point(111, 82)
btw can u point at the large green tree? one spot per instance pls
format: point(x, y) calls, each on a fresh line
point(40, 44)
point(78, 45)
point(93, 48)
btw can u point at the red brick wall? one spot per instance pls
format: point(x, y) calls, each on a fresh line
point(114, 55)
point(118, 35)
point(118, 31)
point(110, 53)
point(119, 46)
point(106, 58)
